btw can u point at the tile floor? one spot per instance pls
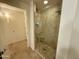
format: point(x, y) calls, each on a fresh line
point(19, 50)
point(46, 51)
point(27, 54)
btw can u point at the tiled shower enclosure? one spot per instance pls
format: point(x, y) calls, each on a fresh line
point(47, 21)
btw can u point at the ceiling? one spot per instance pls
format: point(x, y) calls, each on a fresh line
point(40, 3)
point(24, 1)
point(16, 3)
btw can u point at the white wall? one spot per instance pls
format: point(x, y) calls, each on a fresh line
point(12, 24)
point(32, 45)
point(65, 33)
point(73, 52)
point(30, 24)
point(1, 30)
point(28, 6)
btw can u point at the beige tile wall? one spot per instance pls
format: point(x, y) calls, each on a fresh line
point(48, 26)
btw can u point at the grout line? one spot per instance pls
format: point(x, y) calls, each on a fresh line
point(40, 54)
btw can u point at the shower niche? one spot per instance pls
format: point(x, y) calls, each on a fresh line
point(47, 21)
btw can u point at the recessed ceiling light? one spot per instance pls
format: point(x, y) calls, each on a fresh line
point(45, 2)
